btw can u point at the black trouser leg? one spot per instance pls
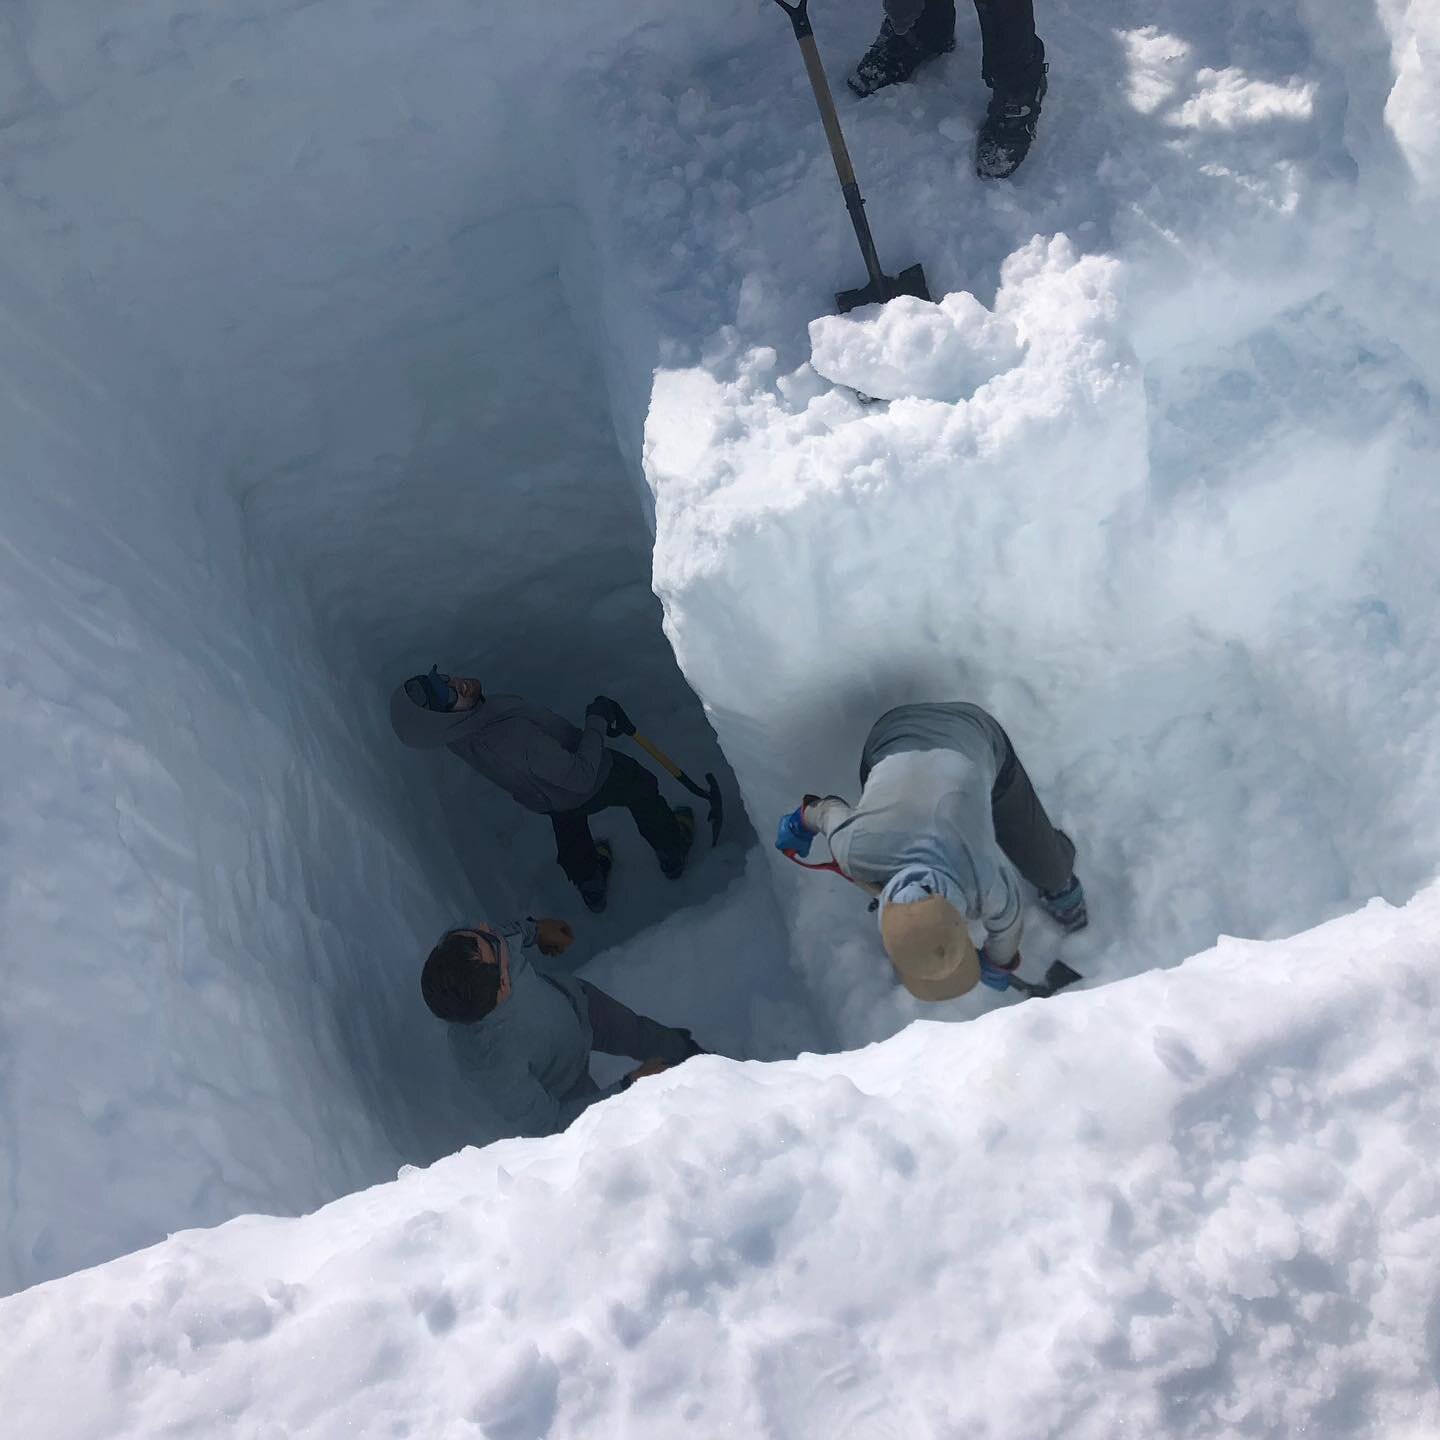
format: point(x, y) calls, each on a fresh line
point(575, 846)
point(1011, 57)
point(1042, 855)
point(935, 29)
point(618, 1030)
point(630, 784)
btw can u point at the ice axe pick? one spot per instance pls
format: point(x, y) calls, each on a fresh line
point(712, 795)
point(882, 287)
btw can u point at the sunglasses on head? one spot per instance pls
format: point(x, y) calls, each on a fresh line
point(433, 691)
point(487, 946)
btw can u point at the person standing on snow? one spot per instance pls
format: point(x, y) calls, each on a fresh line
point(1012, 65)
point(945, 810)
point(549, 766)
point(525, 1038)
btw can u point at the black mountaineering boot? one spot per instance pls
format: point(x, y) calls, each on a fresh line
point(1009, 126)
point(673, 866)
point(593, 891)
point(895, 56)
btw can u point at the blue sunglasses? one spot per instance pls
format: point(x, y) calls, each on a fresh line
point(433, 691)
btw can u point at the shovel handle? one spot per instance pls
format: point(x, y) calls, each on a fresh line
point(839, 152)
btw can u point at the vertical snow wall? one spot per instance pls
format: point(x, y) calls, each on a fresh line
point(293, 397)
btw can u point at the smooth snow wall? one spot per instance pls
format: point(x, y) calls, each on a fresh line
point(204, 865)
point(287, 312)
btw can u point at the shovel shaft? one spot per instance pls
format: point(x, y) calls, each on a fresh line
point(849, 186)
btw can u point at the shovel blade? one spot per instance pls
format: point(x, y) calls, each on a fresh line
point(1059, 975)
point(910, 281)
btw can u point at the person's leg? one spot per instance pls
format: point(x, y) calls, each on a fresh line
point(1042, 854)
point(1008, 44)
point(934, 26)
point(1013, 65)
point(630, 784)
point(618, 1030)
point(913, 31)
point(577, 856)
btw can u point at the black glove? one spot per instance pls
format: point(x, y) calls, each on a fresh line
point(617, 722)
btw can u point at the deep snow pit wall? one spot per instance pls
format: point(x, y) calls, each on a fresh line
point(287, 289)
point(203, 871)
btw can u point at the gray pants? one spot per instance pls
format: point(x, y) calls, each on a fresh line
point(1042, 854)
point(618, 1030)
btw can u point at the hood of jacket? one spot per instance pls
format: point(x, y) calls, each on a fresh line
point(423, 729)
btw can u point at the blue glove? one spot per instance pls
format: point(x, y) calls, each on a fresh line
point(992, 975)
point(792, 834)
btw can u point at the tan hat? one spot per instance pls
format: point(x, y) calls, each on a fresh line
point(929, 945)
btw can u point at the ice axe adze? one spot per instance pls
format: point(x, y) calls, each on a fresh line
point(910, 281)
point(717, 807)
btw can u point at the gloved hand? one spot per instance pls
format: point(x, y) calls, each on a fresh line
point(793, 834)
point(617, 722)
point(995, 976)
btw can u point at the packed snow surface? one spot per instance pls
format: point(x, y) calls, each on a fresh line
point(1200, 1202)
point(342, 338)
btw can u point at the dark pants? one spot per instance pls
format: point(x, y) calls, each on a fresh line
point(1042, 854)
point(633, 786)
point(1010, 55)
point(618, 1030)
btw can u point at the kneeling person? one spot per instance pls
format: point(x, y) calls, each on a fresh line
point(946, 810)
point(526, 1037)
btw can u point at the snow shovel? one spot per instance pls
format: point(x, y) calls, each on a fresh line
point(1057, 977)
point(717, 807)
point(882, 287)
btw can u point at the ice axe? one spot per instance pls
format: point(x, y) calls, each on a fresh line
point(717, 807)
point(882, 287)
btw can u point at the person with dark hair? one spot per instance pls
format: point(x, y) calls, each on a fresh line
point(550, 767)
point(1012, 65)
point(946, 817)
point(525, 1037)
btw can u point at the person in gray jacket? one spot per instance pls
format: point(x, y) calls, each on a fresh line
point(946, 817)
point(524, 1037)
point(549, 766)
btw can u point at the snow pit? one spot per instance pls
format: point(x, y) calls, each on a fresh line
point(296, 402)
point(341, 338)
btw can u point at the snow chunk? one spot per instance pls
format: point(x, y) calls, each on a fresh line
point(910, 347)
point(947, 351)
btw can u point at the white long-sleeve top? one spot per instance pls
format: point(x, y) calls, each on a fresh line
point(924, 820)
